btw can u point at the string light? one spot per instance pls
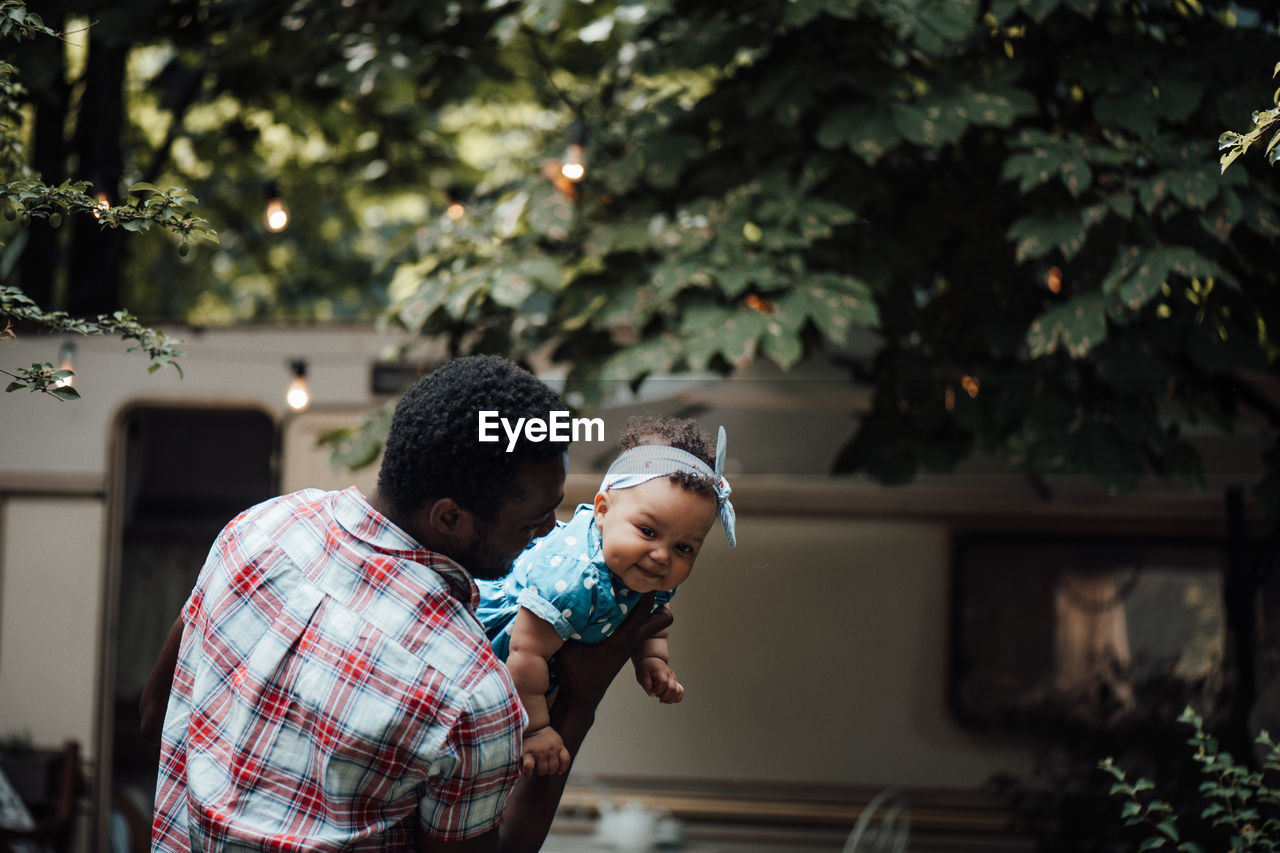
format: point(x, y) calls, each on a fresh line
point(298, 394)
point(276, 214)
point(1053, 280)
point(574, 166)
point(66, 361)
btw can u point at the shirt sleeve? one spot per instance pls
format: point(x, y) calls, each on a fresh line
point(558, 581)
point(478, 765)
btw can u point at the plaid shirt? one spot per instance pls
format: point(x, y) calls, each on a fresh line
point(332, 680)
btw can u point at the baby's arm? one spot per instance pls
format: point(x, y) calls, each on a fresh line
point(653, 669)
point(533, 642)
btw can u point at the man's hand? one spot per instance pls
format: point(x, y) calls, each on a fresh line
point(659, 680)
point(587, 669)
point(544, 753)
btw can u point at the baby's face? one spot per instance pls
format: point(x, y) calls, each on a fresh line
point(652, 533)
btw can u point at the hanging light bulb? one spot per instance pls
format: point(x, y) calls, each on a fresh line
point(276, 214)
point(66, 361)
point(574, 166)
point(298, 394)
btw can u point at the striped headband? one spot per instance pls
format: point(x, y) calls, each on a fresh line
point(651, 461)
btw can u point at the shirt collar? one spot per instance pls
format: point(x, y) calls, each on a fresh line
point(363, 522)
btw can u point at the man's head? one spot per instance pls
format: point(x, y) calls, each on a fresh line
point(474, 501)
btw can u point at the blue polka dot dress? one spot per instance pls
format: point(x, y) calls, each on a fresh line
point(561, 578)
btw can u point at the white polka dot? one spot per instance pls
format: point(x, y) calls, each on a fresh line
point(561, 585)
point(582, 558)
point(608, 626)
point(588, 582)
point(623, 608)
point(571, 540)
point(576, 635)
point(567, 613)
point(557, 560)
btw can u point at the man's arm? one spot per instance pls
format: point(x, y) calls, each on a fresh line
point(586, 671)
point(155, 696)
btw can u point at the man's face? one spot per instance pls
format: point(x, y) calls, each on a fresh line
point(539, 488)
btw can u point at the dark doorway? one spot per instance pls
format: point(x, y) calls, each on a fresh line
point(184, 472)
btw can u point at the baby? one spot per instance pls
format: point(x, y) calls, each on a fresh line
point(641, 534)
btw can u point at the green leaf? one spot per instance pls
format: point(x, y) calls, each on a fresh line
point(1077, 326)
point(739, 335)
point(665, 157)
point(835, 304)
point(866, 130)
point(1036, 236)
point(655, 355)
point(700, 321)
point(780, 345)
point(927, 123)
point(1108, 765)
point(1194, 188)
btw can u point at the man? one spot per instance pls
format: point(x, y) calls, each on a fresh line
point(331, 688)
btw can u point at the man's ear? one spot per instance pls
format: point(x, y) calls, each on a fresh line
point(446, 518)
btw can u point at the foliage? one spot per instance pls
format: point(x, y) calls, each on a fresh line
point(1005, 219)
point(1234, 144)
point(1015, 211)
point(1239, 802)
point(24, 198)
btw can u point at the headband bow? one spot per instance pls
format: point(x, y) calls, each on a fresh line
point(651, 461)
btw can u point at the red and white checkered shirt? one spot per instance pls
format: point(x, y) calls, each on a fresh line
point(332, 681)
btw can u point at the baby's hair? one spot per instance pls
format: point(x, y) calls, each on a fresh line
point(681, 433)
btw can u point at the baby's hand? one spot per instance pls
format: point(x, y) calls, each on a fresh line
point(659, 680)
point(544, 753)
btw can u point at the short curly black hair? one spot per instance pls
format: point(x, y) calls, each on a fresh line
point(681, 433)
point(433, 450)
